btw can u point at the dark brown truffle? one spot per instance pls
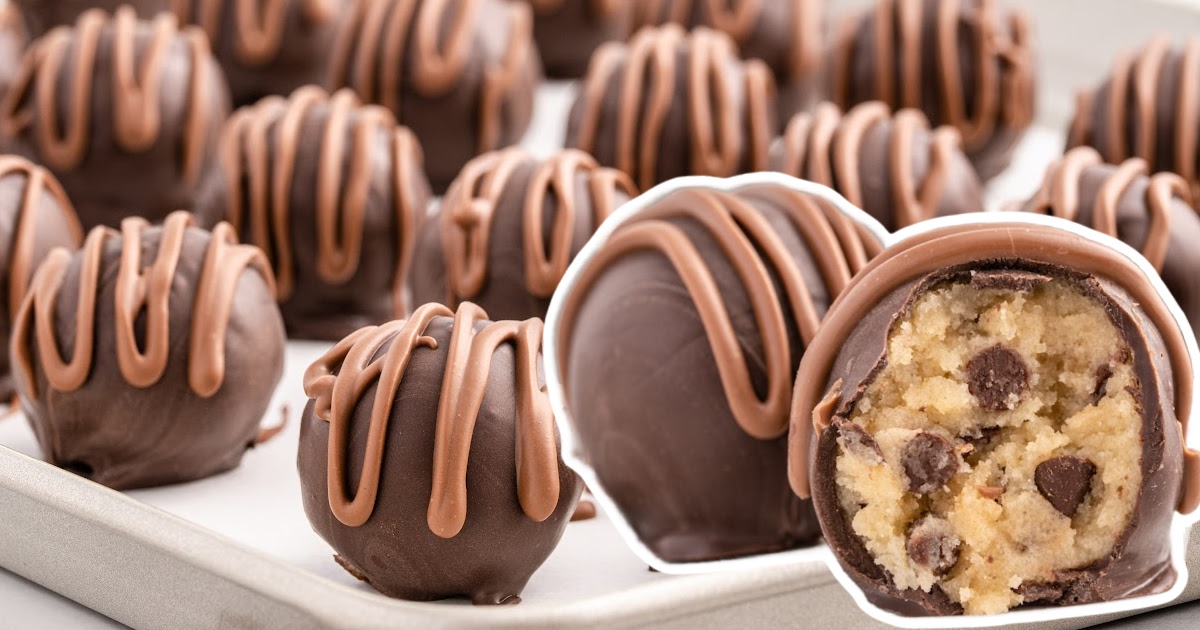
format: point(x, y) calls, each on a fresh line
point(150, 356)
point(148, 109)
point(1152, 213)
point(1071, 496)
point(965, 63)
point(333, 192)
point(460, 74)
point(678, 346)
point(672, 103)
point(568, 31)
point(1148, 107)
point(35, 217)
point(43, 15)
point(786, 34)
point(892, 166)
point(509, 227)
point(267, 47)
point(446, 478)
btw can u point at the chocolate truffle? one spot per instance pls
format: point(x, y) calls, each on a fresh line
point(1152, 213)
point(333, 192)
point(786, 34)
point(267, 47)
point(998, 411)
point(126, 113)
point(43, 15)
point(568, 31)
point(510, 225)
point(672, 103)
point(35, 217)
point(892, 166)
point(435, 472)
point(460, 74)
point(965, 63)
point(1149, 107)
point(679, 343)
point(149, 357)
point(12, 46)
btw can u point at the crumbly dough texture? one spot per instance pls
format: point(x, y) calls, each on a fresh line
point(1000, 531)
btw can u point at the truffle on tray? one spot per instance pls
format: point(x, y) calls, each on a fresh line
point(429, 459)
point(43, 15)
point(568, 31)
point(999, 412)
point(150, 356)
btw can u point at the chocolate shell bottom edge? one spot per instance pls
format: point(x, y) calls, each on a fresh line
point(1008, 447)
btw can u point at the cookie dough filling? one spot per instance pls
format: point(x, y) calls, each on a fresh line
point(998, 445)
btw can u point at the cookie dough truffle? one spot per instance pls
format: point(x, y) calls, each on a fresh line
point(998, 412)
point(965, 63)
point(35, 217)
point(568, 31)
point(334, 192)
point(429, 459)
point(267, 47)
point(893, 166)
point(1150, 212)
point(679, 345)
point(150, 356)
point(1149, 107)
point(43, 15)
point(672, 103)
point(127, 114)
point(509, 227)
point(460, 74)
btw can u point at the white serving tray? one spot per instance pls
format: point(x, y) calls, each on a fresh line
point(235, 551)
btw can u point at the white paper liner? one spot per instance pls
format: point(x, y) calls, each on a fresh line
point(575, 454)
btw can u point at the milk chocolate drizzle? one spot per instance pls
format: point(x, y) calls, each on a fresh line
point(1059, 195)
point(62, 123)
point(1132, 127)
point(826, 147)
point(260, 150)
point(945, 247)
point(258, 24)
point(722, 129)
point(470, 205)
point(141, 289)
point(427, 45)
point(338, 379)
point(38, 182)
point(1003, 72)
point(751, 245)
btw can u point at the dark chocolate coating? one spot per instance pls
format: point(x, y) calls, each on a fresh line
point(1140, 563)
point(498, 548)
point(127, 437)
point(43, 15)
point(568, 31)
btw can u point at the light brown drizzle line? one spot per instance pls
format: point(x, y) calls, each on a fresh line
point(258, 24)
point(261, 146)
point(138, 73)
point(382, 37)
point(136, 292)
point(1134, 83)
point(647, 89)
point(826, 147)
point(938, 249)
point(338, 380)
point(741, 232)
point(38, 182)
point(1003, 74)
point(1060, 192)
point(470, 205)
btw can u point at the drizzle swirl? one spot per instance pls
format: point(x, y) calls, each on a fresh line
point(258, 24)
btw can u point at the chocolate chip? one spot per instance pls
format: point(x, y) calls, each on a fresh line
point(1103, 373)
point(1039, 592)
point(861, 444)
point(929, 462)
point(1065, 481)
point(998, 378)
point(933, 545)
